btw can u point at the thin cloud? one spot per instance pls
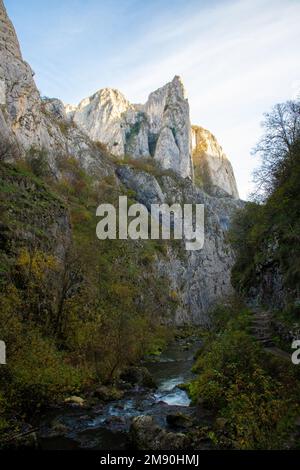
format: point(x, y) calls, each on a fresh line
point(236, 57)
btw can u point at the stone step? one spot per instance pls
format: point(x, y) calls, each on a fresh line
point(260, 327)
point(262, 334)
point(261, 322)
point(262, 318)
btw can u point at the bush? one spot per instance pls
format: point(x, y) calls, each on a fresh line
point(79, 316)
point(38, 162)
point(257, 407)
point(40, 374)
point(266, 239)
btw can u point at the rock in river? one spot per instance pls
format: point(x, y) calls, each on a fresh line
point(179, 420)
point(147, 435)
point(138, 376)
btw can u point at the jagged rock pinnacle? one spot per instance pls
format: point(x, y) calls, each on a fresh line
point(8, 38)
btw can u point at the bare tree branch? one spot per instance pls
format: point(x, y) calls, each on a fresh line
point(281, 130)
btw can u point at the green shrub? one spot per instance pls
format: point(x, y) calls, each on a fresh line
point(266, 237)
point(255, 401)
point(76, 319)
point(38, 162)
point(40, 374)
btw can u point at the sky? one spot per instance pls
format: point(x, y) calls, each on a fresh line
point(237, 58)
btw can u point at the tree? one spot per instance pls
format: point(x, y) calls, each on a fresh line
point(281, 130)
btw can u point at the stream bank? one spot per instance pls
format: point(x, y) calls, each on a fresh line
point(123, 423)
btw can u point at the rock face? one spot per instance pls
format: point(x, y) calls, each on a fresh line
point(211, 165)
point(199, 279)
point(160, 128)
point(30, 121)
point(100, 117)
point(19, 93)
point(169, 127)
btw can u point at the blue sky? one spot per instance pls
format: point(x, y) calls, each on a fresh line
point(236, 57)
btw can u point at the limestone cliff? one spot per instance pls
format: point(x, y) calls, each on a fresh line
point(100, 116)
point(201, 278)
point(160, 129)
point(19, 97)
point(173, 147)
point(28, 120)
point(212, 167)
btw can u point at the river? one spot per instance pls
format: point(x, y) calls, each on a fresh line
point(106, 426)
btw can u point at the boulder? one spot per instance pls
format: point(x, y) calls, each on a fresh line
point(138, 376)
point(147, 435)
point(74, 400)
point(58, 429)
point(27, 441)
point(105, 393)
point(179, 420)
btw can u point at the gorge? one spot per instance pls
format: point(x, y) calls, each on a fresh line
point(159, 131)
point(84, 302)
point(117, 339)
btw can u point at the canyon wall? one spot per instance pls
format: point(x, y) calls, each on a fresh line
point(107, 125)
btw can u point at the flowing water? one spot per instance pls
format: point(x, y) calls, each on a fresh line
point(106, 426)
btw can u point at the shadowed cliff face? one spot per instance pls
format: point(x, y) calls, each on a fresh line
point(161, 129)
point(199, 279)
